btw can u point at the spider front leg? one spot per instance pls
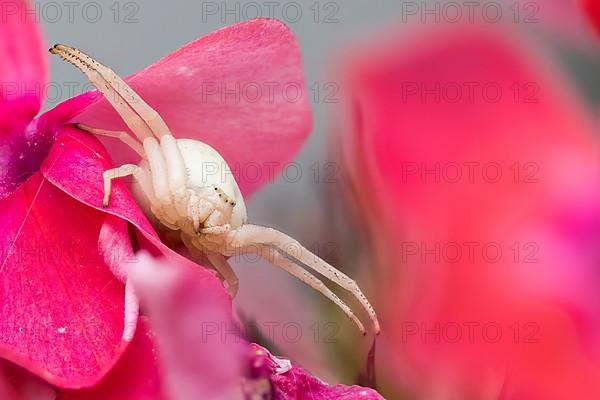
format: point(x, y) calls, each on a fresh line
point(167, 211)
point(176, 172)
point(143, 121)
point(167, 172)
point(294, 252)
point(121, 135)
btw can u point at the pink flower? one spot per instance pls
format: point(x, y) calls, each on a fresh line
point(442, 168)
point(592, 10)
point(18, 384)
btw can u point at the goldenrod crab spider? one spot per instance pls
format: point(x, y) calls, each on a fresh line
point(207, 209)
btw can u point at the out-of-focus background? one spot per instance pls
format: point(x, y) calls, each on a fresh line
point(290, 318)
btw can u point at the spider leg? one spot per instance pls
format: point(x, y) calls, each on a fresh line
point(121, 135)
point(291, 248)
point(119, 172)
point(170, 181)
point(200, 253)
point(276, 258)
point(125, 108)
point(117, 262)
point(132, 312)
point(176, 173)
point(224, 268)
point(154, 121)
point(160, 182)
point(151, 118)
point(142, 176)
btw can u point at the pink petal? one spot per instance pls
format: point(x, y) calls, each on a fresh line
point(200, 352)
point(592, 9)
point(23, 66)
point(62, 317)
point(257, 133)
point(21, 153)
point(76, 344)
point(134, 377)
point(23, 75)
point(18, 384)
point(75, 165)
point(558, 294)
point(287, 381)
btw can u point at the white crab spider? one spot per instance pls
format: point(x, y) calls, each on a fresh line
point(207, 209)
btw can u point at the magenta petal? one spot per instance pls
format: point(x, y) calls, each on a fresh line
point(289, 381)
point(199, 350)
point(23, 75)
point(21, 153)
point(75, 165)
point(62, 315)
point(24, 147)
point(18, 384)
point(23, 66)
point(134, 377)
point(260, 129)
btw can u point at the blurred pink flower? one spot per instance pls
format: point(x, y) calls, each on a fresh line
point(475, 170)
point(592, 10)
